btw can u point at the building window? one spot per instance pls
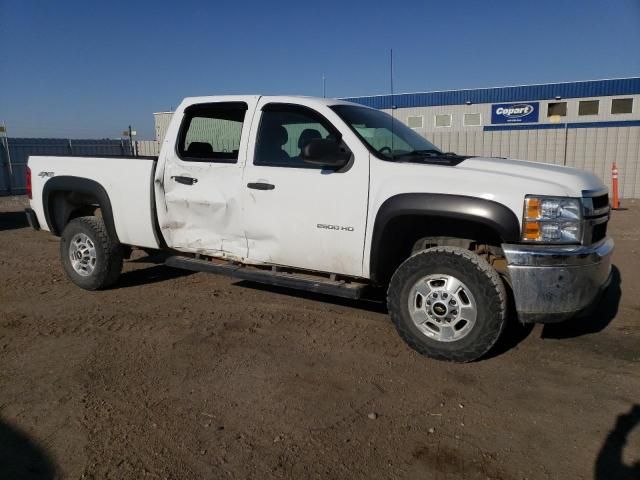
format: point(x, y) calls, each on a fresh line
point(471, 120)
point(557, 109)
point(622, 105)
point(588, 107)
point(443, 120)
point(415, 122)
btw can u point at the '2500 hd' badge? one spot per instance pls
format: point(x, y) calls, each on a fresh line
point(335, 227)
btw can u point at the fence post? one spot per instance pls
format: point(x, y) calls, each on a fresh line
point(4, 171)
point(9, 168)
point(131, 142)
point(566, 137)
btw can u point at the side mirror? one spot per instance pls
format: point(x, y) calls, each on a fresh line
point(326, 152)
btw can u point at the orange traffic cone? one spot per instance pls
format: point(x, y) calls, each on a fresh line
point(614, 186)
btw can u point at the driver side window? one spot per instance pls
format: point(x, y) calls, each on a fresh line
point(284, 131)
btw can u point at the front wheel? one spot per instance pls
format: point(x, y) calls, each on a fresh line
point(448, 303)
point(91, 258)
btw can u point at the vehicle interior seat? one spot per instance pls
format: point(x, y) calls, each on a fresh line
point(199, 149)
point(272, 139)
point(306, 136)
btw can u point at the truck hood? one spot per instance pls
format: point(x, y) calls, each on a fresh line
point(496, 179)
point(562, 180)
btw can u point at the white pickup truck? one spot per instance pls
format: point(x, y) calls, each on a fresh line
point(334, 197)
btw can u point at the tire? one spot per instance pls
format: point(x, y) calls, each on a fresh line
point(97, 258)
point(445, 326)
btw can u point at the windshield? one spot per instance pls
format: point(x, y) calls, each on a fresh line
point(387, 137)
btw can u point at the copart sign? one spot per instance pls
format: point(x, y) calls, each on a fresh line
point(515, 112)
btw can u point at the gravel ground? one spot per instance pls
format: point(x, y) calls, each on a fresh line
point(180, 375)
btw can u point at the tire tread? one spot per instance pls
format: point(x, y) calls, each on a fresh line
point(493, 287)
point(108, 272)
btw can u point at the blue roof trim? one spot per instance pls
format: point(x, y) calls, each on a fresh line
point(616, 123)
point(533, 126)
point(553, 126)
point(591, 88)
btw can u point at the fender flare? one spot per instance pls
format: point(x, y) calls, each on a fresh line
point(67, 183)
point(493, 215)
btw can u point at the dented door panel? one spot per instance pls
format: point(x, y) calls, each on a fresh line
point(204, 217)
point(199, 203)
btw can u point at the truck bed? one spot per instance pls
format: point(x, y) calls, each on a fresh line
point(128, 182)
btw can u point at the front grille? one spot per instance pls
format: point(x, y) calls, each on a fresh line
point(598, 232)
point(600, 202)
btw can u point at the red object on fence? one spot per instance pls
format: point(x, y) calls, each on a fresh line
point(614, 186)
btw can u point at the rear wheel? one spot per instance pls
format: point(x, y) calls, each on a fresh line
point(91, 258)
point(448, 303)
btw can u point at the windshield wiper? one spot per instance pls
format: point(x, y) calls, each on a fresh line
point(419, 153)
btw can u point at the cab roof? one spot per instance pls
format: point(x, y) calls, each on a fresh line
point(295, 99)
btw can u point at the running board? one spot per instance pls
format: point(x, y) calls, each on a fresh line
point(299, 281)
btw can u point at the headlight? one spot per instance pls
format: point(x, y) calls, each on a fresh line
point(552, 219)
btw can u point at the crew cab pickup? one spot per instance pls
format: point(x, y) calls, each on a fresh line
point(334, 197)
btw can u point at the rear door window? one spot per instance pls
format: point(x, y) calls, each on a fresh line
point(211, 132)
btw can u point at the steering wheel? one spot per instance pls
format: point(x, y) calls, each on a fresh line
point(383, 149)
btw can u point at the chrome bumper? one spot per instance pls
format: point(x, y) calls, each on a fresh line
point(554, 283)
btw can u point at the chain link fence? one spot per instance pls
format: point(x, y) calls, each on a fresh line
point(14, 153)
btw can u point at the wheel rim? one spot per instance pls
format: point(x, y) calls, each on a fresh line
point(442, 307)
point(82, 253)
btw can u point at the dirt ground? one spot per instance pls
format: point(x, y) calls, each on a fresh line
point(175, 375)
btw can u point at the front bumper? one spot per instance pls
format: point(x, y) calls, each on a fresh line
point(554, 283)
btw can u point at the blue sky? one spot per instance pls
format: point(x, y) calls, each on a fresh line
point(87, 69)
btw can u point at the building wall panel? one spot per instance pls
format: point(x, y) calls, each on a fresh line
point(148, 148)
point(591, 149)
point(161, 120)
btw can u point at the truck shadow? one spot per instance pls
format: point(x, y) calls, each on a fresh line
point(157, 272)
point(514, 331)
point(601, 315)
point(609, 463)
point(12, 221)
point(21, 457)
point(149, 275)
point(373, 302)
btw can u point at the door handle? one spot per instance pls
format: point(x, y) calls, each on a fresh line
point(185, 180)
point(261, 186)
